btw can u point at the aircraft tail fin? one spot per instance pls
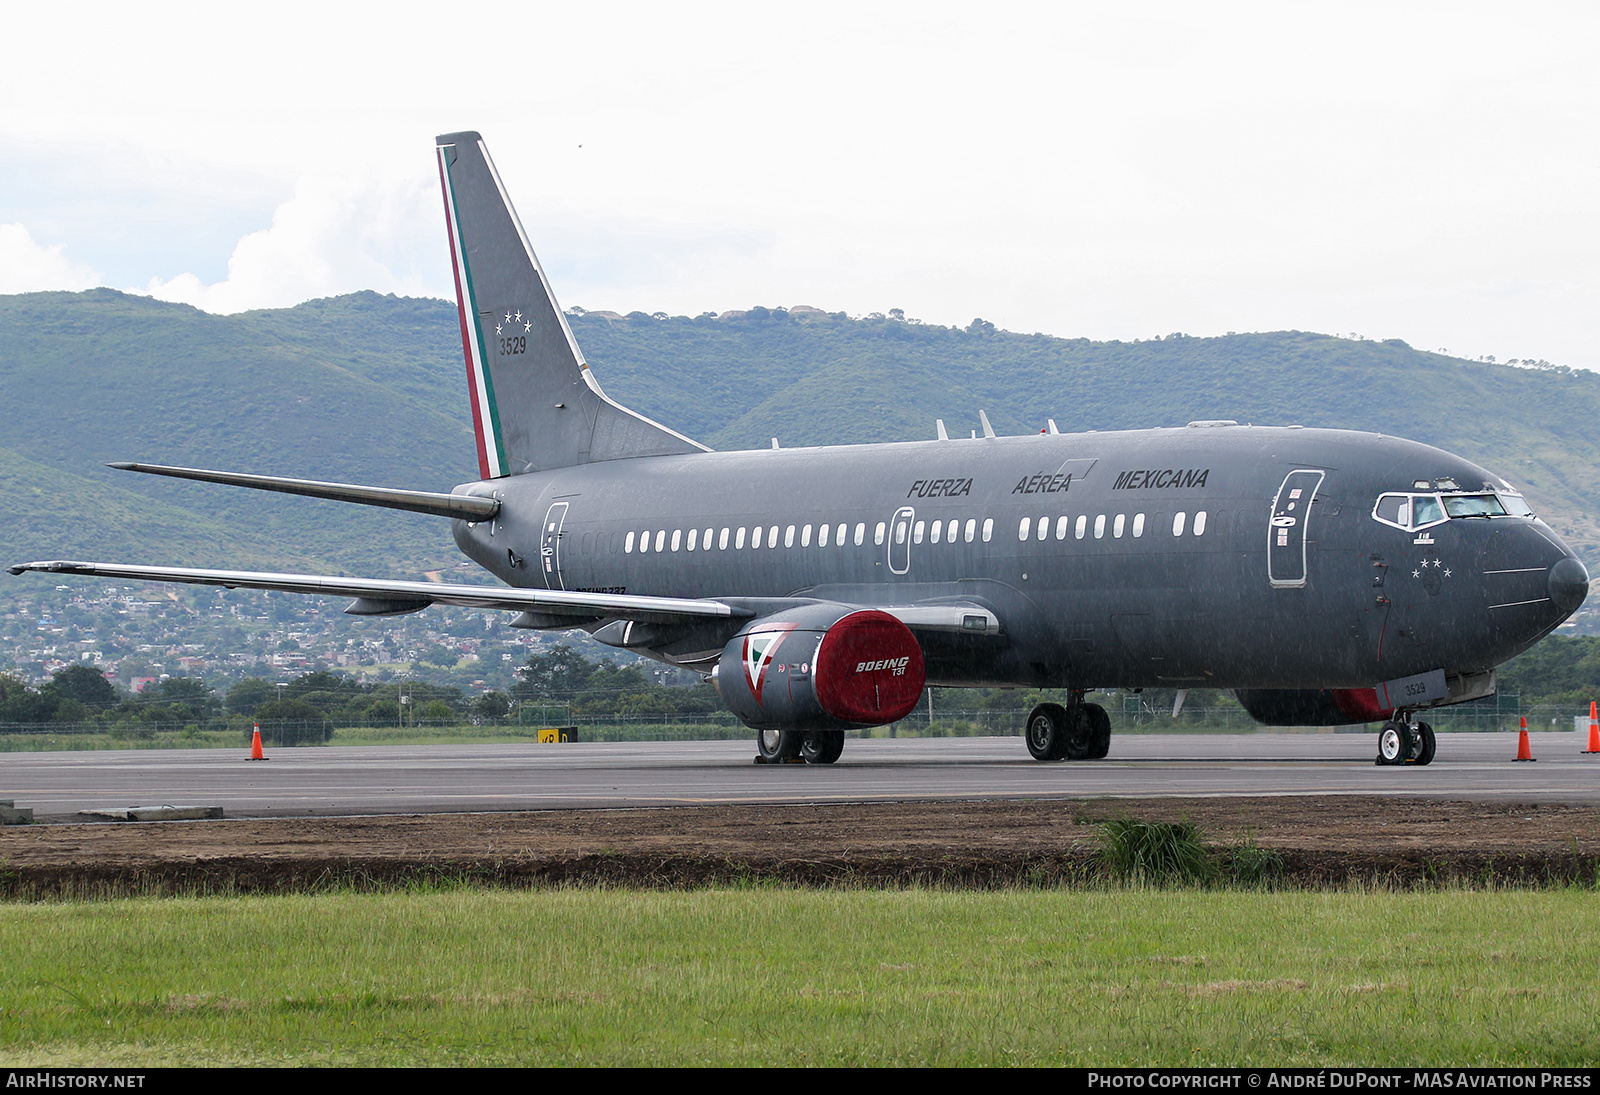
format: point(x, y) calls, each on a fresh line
point(535, 404)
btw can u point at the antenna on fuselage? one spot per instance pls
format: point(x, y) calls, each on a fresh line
point(1052, 423)
point(774, 442)
point(988, 430)
point(939, 425)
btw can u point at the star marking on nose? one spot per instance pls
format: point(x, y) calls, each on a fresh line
point(1416, 573)
point(1447, 572)
point(519, 317)
point(508, 316)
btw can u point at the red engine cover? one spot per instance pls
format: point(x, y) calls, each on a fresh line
point(869, 669)
point(1361, 704)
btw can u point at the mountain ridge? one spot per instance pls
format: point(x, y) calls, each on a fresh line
point(371, 388)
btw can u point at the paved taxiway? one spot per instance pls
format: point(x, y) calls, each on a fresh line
point(463, 778)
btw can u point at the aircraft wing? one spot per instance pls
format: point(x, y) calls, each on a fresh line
point(382, 597)
point(386, 597)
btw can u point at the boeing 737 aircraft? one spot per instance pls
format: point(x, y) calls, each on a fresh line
point(1325, 576)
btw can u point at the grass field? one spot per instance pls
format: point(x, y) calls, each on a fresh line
point(779, 976)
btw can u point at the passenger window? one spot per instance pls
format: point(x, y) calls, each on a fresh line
point(1024, 528)
point(971, 527)
point(722, 539)
point(1138, 525)
point(661, 539)
point(677, 538)
point(1117, 525)
point(739, 540)
point(839, 539)
point(694, 536)
point(877, 534)
point(627, 545)
point(1200, 523)
point(1061, 528)
point(822, 535)
point(788, 537)
point(950, 532)
point(988, 528)
point(1081, 527)
point(919, 528)
point(805, 536)
point(1177, 522)
point(706, 540)
point(1044, 527)
point(772, 536)
point(861, 533)
point(1099, 526)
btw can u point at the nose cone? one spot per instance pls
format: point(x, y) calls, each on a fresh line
point(1569, 585)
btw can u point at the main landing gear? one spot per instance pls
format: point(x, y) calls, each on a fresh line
point(1402, 741)
point(1076, 731)
point(799, 746)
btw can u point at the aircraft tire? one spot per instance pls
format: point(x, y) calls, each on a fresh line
point(1427, 744)
point(822, 746)
point(777, 746)
point(1393, 743)
point(1080, 738)
point(1046, 732)
point(1099, 731)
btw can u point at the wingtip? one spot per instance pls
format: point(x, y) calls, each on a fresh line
point(123, 465)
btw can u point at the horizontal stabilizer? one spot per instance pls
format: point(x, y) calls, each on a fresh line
point(394, 596)
point(464, 506)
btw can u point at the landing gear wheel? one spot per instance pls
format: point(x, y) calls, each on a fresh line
point(1099, 731)
point(1394, 743)
point(1080, 741)
point(1047, 732)
point(778, 746)
point(822, 746)
point(1426, 744)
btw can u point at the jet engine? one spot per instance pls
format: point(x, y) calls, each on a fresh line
point(1312, 706)
point(821, 667)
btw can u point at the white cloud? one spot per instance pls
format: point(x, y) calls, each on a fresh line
point(26, 267)
point(336, 235)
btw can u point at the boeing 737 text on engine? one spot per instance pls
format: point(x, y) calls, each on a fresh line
point(1325, 576)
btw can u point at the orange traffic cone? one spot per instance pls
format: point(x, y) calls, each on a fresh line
point(1594, 730)
point(1524, 750)
point(255, 744)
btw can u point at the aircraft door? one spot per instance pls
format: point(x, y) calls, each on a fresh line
point(550, 545)
point(1286, 535)
point(900, 540)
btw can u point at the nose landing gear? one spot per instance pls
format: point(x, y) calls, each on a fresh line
point(1402, 741)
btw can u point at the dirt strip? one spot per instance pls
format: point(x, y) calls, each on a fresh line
point(1334, 840)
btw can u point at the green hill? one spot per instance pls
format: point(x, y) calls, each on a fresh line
point(368, 388)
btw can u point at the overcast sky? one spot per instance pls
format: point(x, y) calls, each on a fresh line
point(1425, 171)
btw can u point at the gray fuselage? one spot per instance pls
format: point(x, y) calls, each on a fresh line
point(1223, 557)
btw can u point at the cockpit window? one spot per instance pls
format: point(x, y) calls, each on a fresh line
point(1515, 506)
point(1473, 505)
point(1394, 509)
point(1426, 510)
point(1419, 511)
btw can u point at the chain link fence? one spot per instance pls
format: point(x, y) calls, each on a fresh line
point(1135, 716)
